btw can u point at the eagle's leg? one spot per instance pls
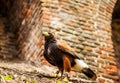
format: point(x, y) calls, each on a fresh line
point(59, 71)
point(66, 66)
point(65, 75)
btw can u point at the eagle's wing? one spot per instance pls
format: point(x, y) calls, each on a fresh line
point(66, 48)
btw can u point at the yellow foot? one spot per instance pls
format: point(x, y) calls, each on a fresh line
point(54, 75)
point(64, 80)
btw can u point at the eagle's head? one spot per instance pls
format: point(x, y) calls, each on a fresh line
point(48, 36)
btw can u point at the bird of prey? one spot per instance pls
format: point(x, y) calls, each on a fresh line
point(64, 57)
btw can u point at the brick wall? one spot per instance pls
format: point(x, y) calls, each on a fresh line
point(7, 39)
point(26, 25)
point(7, 45)
point(84, 25)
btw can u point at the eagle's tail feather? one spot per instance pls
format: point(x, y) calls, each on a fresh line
point(81, 66)
point(89, 73)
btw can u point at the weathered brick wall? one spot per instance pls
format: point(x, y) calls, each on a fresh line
point(84, 25)
point(7, 45)
point(25, 23)
point(7, 39)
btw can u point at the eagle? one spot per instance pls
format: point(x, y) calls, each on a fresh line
point(64, 57)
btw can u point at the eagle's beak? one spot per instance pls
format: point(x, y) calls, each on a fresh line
point(46, 34)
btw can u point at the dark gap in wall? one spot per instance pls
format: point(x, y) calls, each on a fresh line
point(5, 6)
point(116, 28)
point(116, 32)
point(116, 11)
point(8, 46)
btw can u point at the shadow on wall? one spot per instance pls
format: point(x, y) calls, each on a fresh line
point(7, 38)
point(116, 32)
point(5, 6)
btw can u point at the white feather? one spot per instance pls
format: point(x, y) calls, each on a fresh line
point(48, 50)
point(80, 64)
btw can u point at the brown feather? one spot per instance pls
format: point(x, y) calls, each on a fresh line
point(67, 64)
point(66, 48)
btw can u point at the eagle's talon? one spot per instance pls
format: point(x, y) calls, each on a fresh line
point(65, 75)
point(65, 79)
point(54, 75)
point(57, 72)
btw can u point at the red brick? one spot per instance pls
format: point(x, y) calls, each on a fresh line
point(46, 4)
point(93, 5)
point(41, 42)
point(111, 70)
point(21, 16)
point(107, 29)
point(108, 49)
point(109, 9)
point(29, 11)
point(112, 58)
point(24, 3)
point(103, 56)
point(44, 62)
point(88, 48)
point(101, 80)
point(71, 23)
point(64, 0)
point(46, 16)
point(47, 21)
point(88, 28)
point(100, 61)
point(98, 51)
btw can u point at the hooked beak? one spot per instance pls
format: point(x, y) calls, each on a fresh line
point(45, 34)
